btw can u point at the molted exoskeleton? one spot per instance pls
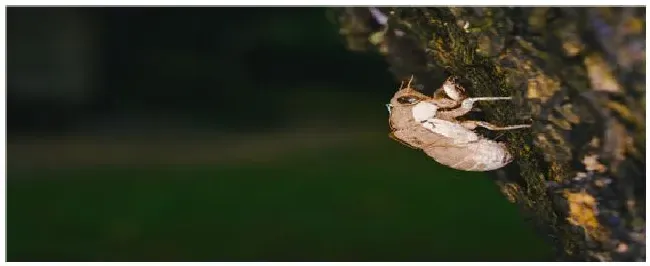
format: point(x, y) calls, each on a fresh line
point(429, 124)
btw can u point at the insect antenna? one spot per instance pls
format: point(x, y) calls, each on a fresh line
point(410, 80)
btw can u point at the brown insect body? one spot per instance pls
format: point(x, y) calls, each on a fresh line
point(423, 122)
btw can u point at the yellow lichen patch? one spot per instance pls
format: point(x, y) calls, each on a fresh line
point(563, 124)
point(564, 118)
point(591, 163)
point(571, 43)
point(594, 142)
point(600, 75)
point(623, 111)
point(600, 183)
point(379, 40)
point(541, 87)
point(582, 212)
point(377, 37)
point(572, 47)
point(569, 115)
point(553, 141)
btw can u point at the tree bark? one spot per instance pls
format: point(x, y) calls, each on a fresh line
point(577, 73)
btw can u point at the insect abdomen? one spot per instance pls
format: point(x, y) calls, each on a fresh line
point(482, 155)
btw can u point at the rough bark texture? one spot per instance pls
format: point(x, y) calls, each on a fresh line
point(577, 73)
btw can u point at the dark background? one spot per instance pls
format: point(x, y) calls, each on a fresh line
point(220, 134)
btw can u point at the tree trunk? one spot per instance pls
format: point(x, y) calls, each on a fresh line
point(577, 73)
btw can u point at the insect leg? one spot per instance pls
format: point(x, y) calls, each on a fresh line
point(468, 104)
point(473, 124)
point(490, 98)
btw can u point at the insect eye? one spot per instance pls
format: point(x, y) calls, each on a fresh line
point(408, 99)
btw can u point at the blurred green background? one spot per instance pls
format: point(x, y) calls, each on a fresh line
point(224, 134)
